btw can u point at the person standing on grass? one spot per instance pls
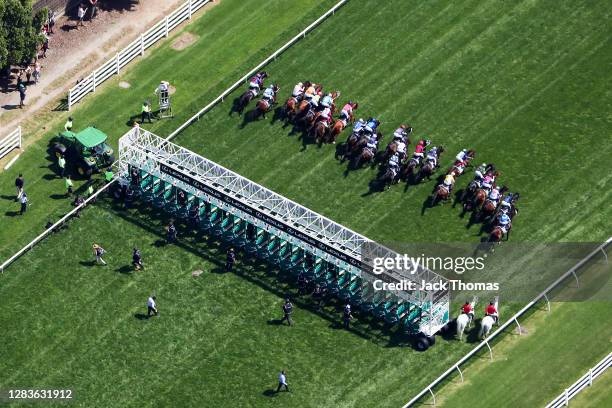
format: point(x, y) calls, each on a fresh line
point(98, 253)
point(145, 112)
point(347, 316)
point(61, 164)
point(282, 381)
point(171, 232)
point(19, 182)
point(69, 185)
point(36, 72)
point(77, 202)
point(109, 175)
point(22, 94)
point(80, 15)
point(231, 258)
point(24, 203)
point(45, 47)
point(151, 306)
point(68, 124)
point(28, 74)
point(287, 310)
point(137, 259)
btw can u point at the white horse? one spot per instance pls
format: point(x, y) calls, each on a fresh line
point(487, 323)
point(463, 320)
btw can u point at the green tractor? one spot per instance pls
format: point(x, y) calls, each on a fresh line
point(86, 151)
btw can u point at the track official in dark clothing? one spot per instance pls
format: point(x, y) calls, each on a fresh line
point(137, 259)
point(231, 258)
point(347, 316)
point(287, 310)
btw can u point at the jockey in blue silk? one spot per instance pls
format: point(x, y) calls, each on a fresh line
point(503, 221)
point(371, 126)
point(506, 203)
point(372, 143)
point(270, 93)
point(359, 125)
point(327, 101)
point(432, 156)
point(462, 155)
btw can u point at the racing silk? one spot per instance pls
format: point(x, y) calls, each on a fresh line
point(371, 125)
point(372, 142)
point(419, 149)
point(358, 126)
point(487, 182)
point(399, 133)
point(449, 180)
point(504, 220)
point(327, 101)
point(297, 90)
point(394, 161)
point(401, 148)
point(491, 310)
point(508, 199)
point(269, 93)
point(315, 100)
point(461, 156)
point(256, 81)
point(433, 153)
point(325, 113)
point(310, 92)
point(494, 194)
point(347, 108)
point(467, 308)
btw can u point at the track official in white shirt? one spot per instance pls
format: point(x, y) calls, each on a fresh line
point(282, 382)
point(151, 306)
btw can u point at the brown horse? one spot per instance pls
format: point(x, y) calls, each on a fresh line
point(441, 193)
point(243, 101)
point(408, 169)
point(425, 171)
point(366, 156)
point(479, 198)
point(308, 119)
point(290, 108)
point(318, 131)
point(263, 107)
point(302, 109)
point(488, 210)
point(338, 127)
point(498, 233)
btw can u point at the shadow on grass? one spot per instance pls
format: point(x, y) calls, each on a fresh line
point(125, 269)
point(11, 213)
point(88, 263)
point(269, 393)
point(141, 316)
point(58, 196)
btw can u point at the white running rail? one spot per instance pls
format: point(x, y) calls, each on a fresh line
point(244, 79)
point(10, 142)
point(585, 381)
point(135, 49)
point(513, 320)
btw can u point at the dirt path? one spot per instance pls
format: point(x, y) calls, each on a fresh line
point(74, 53)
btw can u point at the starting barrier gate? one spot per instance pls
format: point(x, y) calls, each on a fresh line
point(230, 207)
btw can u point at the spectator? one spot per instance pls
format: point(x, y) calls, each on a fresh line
point(171, 229)
point(51, 21)
point(98, 253)
point(90, 190)
point(287, 310)
point(231, 258)
point(282, 381)
point(80, 15)
point(151, 306)
point(109, 175)
point(347, 316)
point(36, 72)
point(137, 259)
point(19, 182)
point(68, 124)
point(61, 164)
point(77, 202)
point(145, 112)
point(45, 47)
point(317, 295)
point(24, 203)
point(69, 185)
point(28, 74)
point(93, 6)
point(22, 93)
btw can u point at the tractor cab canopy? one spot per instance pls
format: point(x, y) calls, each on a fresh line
point(90, 137)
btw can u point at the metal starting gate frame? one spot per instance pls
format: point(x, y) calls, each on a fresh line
point(279, 216)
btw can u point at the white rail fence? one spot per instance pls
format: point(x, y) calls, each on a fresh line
point(10, 142)
point(272, 57)
point(601, 249)
point(135, 49)
point(585, 381)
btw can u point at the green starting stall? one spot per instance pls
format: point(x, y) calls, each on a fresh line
point(267, 225)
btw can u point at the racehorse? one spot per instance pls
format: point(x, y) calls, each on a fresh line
point(479, 198)
point(319, 131)
point(463, 320)
point(389, 177)
point(263, 107)
point(425, 171)
point(366, 156)
point(336, 130)
point(441, 193)
point(407, 172)
point(498, 233)
point(488, 210)
point(486, 324)
point(244, 100)
point(308, 119)
point(290, 109)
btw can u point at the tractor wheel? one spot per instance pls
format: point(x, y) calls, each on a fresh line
point(59, 150)
point(83, 171)
point(422, 343)
point(431, 340)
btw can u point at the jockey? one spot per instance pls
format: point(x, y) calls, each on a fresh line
point(490, 310)
point(256, 82)
point(324, 116)
point(347, 111)
point(358, 127)
point(270, 93)
point(487, 182)
point(327, 101)
point(432, 156)
point(479, 172)
point(298, 91)
point(401, 133)
point(371, 126)
point(504, 222)
point(459, 166)
point(394, 161)
point(506, 203)
point(372, 143)
point(449, 181)
point(314, 101)
point(402, 149)
point(419, 149)
point(310, 92)
point(468, 309)
point(494, 195)
point(462, 155)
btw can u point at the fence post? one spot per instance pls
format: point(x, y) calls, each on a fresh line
point(519, 327)
point(166, 26)
point(547, 302)
point(190, 6)
point(94, 81)
point(590, 377)
point(566, 398)
point(19, 132)
point(490, 351)
point(69, 98)
point(141, 45)
point(117, 60)
point(460, 373)
point(604, 253)
point(576, 276)
point(433, 396)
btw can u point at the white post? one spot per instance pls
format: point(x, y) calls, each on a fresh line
point(117, 60)
point(166, 26)
point(69, 97)
point(519, 326)
point(190, 7)
point(432, 396)
point(460, 373)
point(604, 253)
point(94, 81)
point(576, 276)
point(590, 377)
point(490, 351)
point(19, 131)
point(141, 45)
point(566, 398)
point(547, 302)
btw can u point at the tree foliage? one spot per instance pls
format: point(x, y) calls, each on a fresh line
point(20, 31)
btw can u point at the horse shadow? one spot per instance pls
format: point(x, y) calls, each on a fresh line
point(278, 115)
point(235, 108)
point(457, 197)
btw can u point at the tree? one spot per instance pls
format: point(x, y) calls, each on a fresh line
point(20, 32)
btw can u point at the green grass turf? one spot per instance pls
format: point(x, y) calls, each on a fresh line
point(69, 324)
point(523, 83)
point(232, 38)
